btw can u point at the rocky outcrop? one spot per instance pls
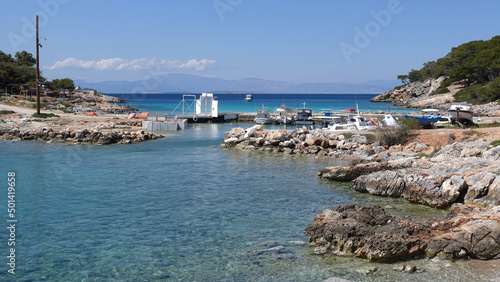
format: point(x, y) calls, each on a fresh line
point(410, 91)
point(303, 141)
point(369, 232)
point(102, 134)
point(459, 172)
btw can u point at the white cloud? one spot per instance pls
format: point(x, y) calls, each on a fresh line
point(197, 65)
point(132, 65)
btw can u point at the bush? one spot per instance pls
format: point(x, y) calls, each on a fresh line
point(495, 143)
point(398, 135)
point(6, 112)
point(44, 115)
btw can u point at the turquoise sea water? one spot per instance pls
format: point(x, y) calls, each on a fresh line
point(166, 103)
point(179, 209)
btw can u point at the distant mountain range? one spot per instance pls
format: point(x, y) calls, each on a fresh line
point(184, 83)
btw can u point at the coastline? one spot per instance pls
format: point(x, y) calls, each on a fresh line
point(441, 168)
point(431, 138)
point(71, 127)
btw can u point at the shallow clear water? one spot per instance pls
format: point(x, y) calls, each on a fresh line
point(180, 208)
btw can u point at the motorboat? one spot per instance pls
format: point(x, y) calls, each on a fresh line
point(248, 98)
point(303, 116)
point(461, 113)
point(263, 116)
point(283, 115)
point(338, 124)
point(360, 122)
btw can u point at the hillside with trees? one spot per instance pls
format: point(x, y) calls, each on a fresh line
point(21, 70)
point(475, 65)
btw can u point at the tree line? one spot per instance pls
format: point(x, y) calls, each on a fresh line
point(475, 64)
point(21, 69)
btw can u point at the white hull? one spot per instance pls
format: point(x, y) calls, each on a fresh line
point(263, 120)
point(463, 116)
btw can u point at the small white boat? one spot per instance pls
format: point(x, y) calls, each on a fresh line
point(337, 124)
point(360, 122)
point(283, 115)
point(461, 113)
point(249, 98)
point(263, 116)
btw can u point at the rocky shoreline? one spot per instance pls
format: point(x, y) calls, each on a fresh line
point(369, 232)
point(17, 123)
point(101, 134)
point(421, 95)
point(462, 174)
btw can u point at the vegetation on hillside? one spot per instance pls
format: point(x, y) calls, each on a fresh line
point(475, 64)
point(21, 69)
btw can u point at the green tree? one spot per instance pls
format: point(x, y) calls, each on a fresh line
point(25, 59)
point(404, 78)
point(6, 58)
point(65, 83)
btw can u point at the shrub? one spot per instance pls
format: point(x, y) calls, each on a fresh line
point(398, 135)
point(450, 139)
point(495, 143)
point(370, 138)
point(44, 115)
point(6, 112)
point(429, 155)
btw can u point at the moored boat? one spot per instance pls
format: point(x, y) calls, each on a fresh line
point(338, 124)
point(263, 116)
point(461, 113)
point(283, 113)
point(248, 98)
point(303, 116)
point(424, 120)
point(360, 122)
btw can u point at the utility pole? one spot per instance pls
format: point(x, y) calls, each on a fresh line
point(37, 71)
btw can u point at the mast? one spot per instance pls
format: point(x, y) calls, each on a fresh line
point(37, 71)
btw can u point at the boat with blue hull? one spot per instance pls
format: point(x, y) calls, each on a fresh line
point(424, 120)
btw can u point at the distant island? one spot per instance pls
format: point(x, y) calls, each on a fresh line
point(185, 83)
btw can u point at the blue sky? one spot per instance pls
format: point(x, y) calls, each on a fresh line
point(286, 40)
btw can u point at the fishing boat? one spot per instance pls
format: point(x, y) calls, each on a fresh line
point(283, 115)
point(263, 116)
point(249, 98)
point(424, 120)
point(303, 116)
point(461, 113)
